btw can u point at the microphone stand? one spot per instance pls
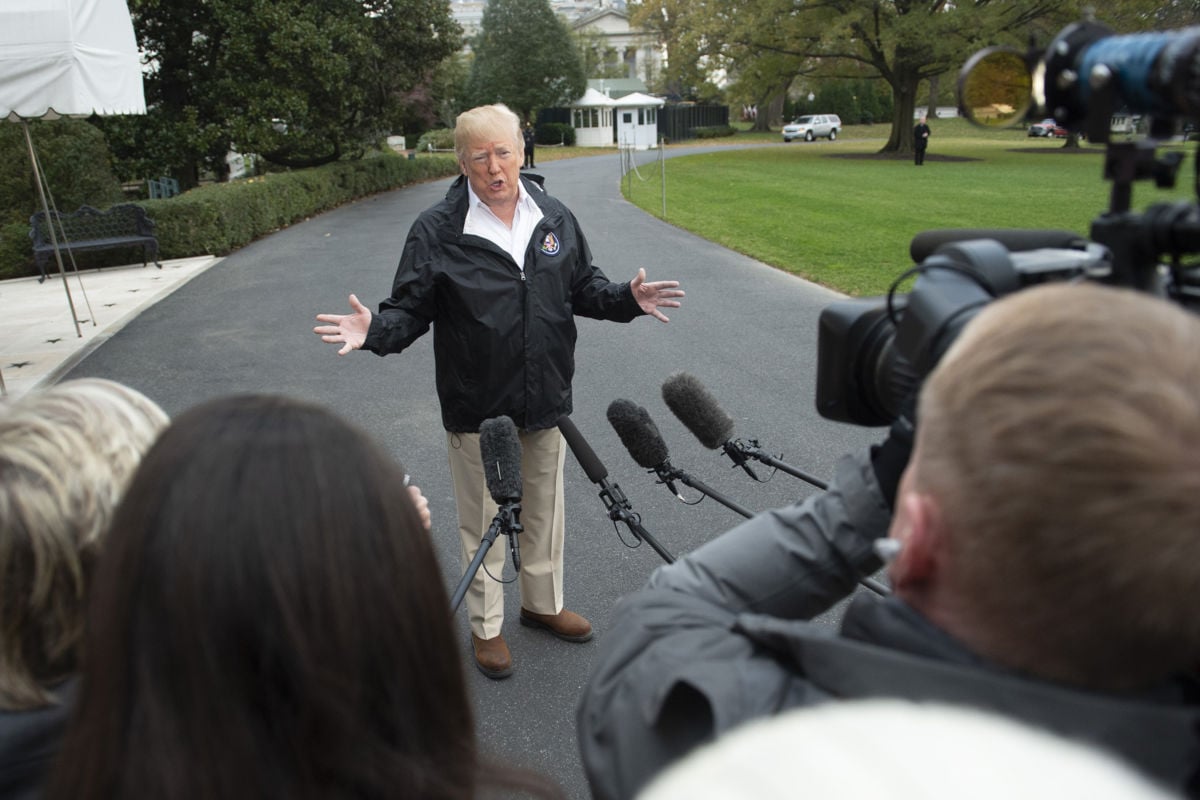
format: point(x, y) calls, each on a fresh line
point(506, 521)
point(620, 510)
point(618, 506)
point(668, 474)
point(739, 451)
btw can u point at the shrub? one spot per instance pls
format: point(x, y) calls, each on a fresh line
point(219, 218)
point(75, 162)
point(441, 139)
point(714, 131)
point(555, 133)
point(16, 251)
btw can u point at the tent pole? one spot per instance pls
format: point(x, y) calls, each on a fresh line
point(37, 176)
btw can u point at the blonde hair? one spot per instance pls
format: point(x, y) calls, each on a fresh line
point(1061, 436)
point(66, 455)
point(486, 123)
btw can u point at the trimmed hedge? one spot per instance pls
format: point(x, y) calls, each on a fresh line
point(440, 139)
point(714, 131)
point(553, 133)
point(219, 218)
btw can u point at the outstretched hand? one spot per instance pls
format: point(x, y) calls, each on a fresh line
point(350, 329)
point(655, 295)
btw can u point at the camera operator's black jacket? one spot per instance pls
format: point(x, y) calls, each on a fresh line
point(720, 637)
point(503, 338)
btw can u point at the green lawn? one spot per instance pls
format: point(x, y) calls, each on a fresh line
point(846, 222)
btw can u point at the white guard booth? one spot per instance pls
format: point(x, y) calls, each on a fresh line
point(592, 119)
point(67, 58)
point(637, 120)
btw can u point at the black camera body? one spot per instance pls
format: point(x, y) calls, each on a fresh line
point(874, 353)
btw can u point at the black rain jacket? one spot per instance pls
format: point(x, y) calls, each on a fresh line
point(503, 338)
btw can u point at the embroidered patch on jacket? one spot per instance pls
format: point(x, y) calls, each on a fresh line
point(550, 244)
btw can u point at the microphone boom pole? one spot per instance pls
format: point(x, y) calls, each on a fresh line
point(700, 412)
point(668, 473)
point(739, 451)
point(618, 506)
point(641, 438)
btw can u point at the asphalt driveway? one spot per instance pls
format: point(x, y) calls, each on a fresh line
point(746, 330)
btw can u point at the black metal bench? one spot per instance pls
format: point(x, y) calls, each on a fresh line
point(88, 228)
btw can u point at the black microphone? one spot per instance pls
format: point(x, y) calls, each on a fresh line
point(500, 452)
point(1013, 239)
point(593, 467)
point(618, 506)
point(700, 413)
point(697, 410)
point(641, 438)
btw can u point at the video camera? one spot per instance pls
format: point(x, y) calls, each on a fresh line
point(873, 354)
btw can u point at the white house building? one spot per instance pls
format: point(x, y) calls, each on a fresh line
point(638, 50)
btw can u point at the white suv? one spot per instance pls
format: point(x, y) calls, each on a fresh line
point(811, 126)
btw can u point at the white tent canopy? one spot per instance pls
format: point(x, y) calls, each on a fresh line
point(61, 58)
point(68, 58)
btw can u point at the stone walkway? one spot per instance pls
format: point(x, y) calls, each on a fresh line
point(41, 342)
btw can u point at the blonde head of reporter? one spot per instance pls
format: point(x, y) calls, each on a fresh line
point(66, 455)
point(897, 750)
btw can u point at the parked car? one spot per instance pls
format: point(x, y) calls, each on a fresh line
point(812, 126)
point(1048, 128)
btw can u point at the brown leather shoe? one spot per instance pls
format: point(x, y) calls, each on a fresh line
point(566, 625)
point(492, 657)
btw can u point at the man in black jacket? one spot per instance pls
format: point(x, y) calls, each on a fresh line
point(500, 268)
point(1044, 558)
point(920, 141)
point(530, 137)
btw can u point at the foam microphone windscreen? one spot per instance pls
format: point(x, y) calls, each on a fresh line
point(500, 452)
point(638, 433)
point(697, 410)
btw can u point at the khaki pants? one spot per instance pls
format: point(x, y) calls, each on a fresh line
point(542, 517)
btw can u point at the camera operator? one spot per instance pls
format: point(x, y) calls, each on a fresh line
point(1045, 553)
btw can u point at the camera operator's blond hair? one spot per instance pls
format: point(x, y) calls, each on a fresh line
point(1060, 441)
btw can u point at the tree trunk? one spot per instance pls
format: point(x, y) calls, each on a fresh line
point(931, 110)
point(774, 116)
point(904, 100)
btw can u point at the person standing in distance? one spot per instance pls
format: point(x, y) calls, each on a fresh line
point(920, 141)
point(530, 138)
point(499, 269)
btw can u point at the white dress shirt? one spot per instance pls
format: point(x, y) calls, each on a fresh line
point(482, 221)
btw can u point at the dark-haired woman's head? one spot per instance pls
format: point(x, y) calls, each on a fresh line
point(269, 620)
